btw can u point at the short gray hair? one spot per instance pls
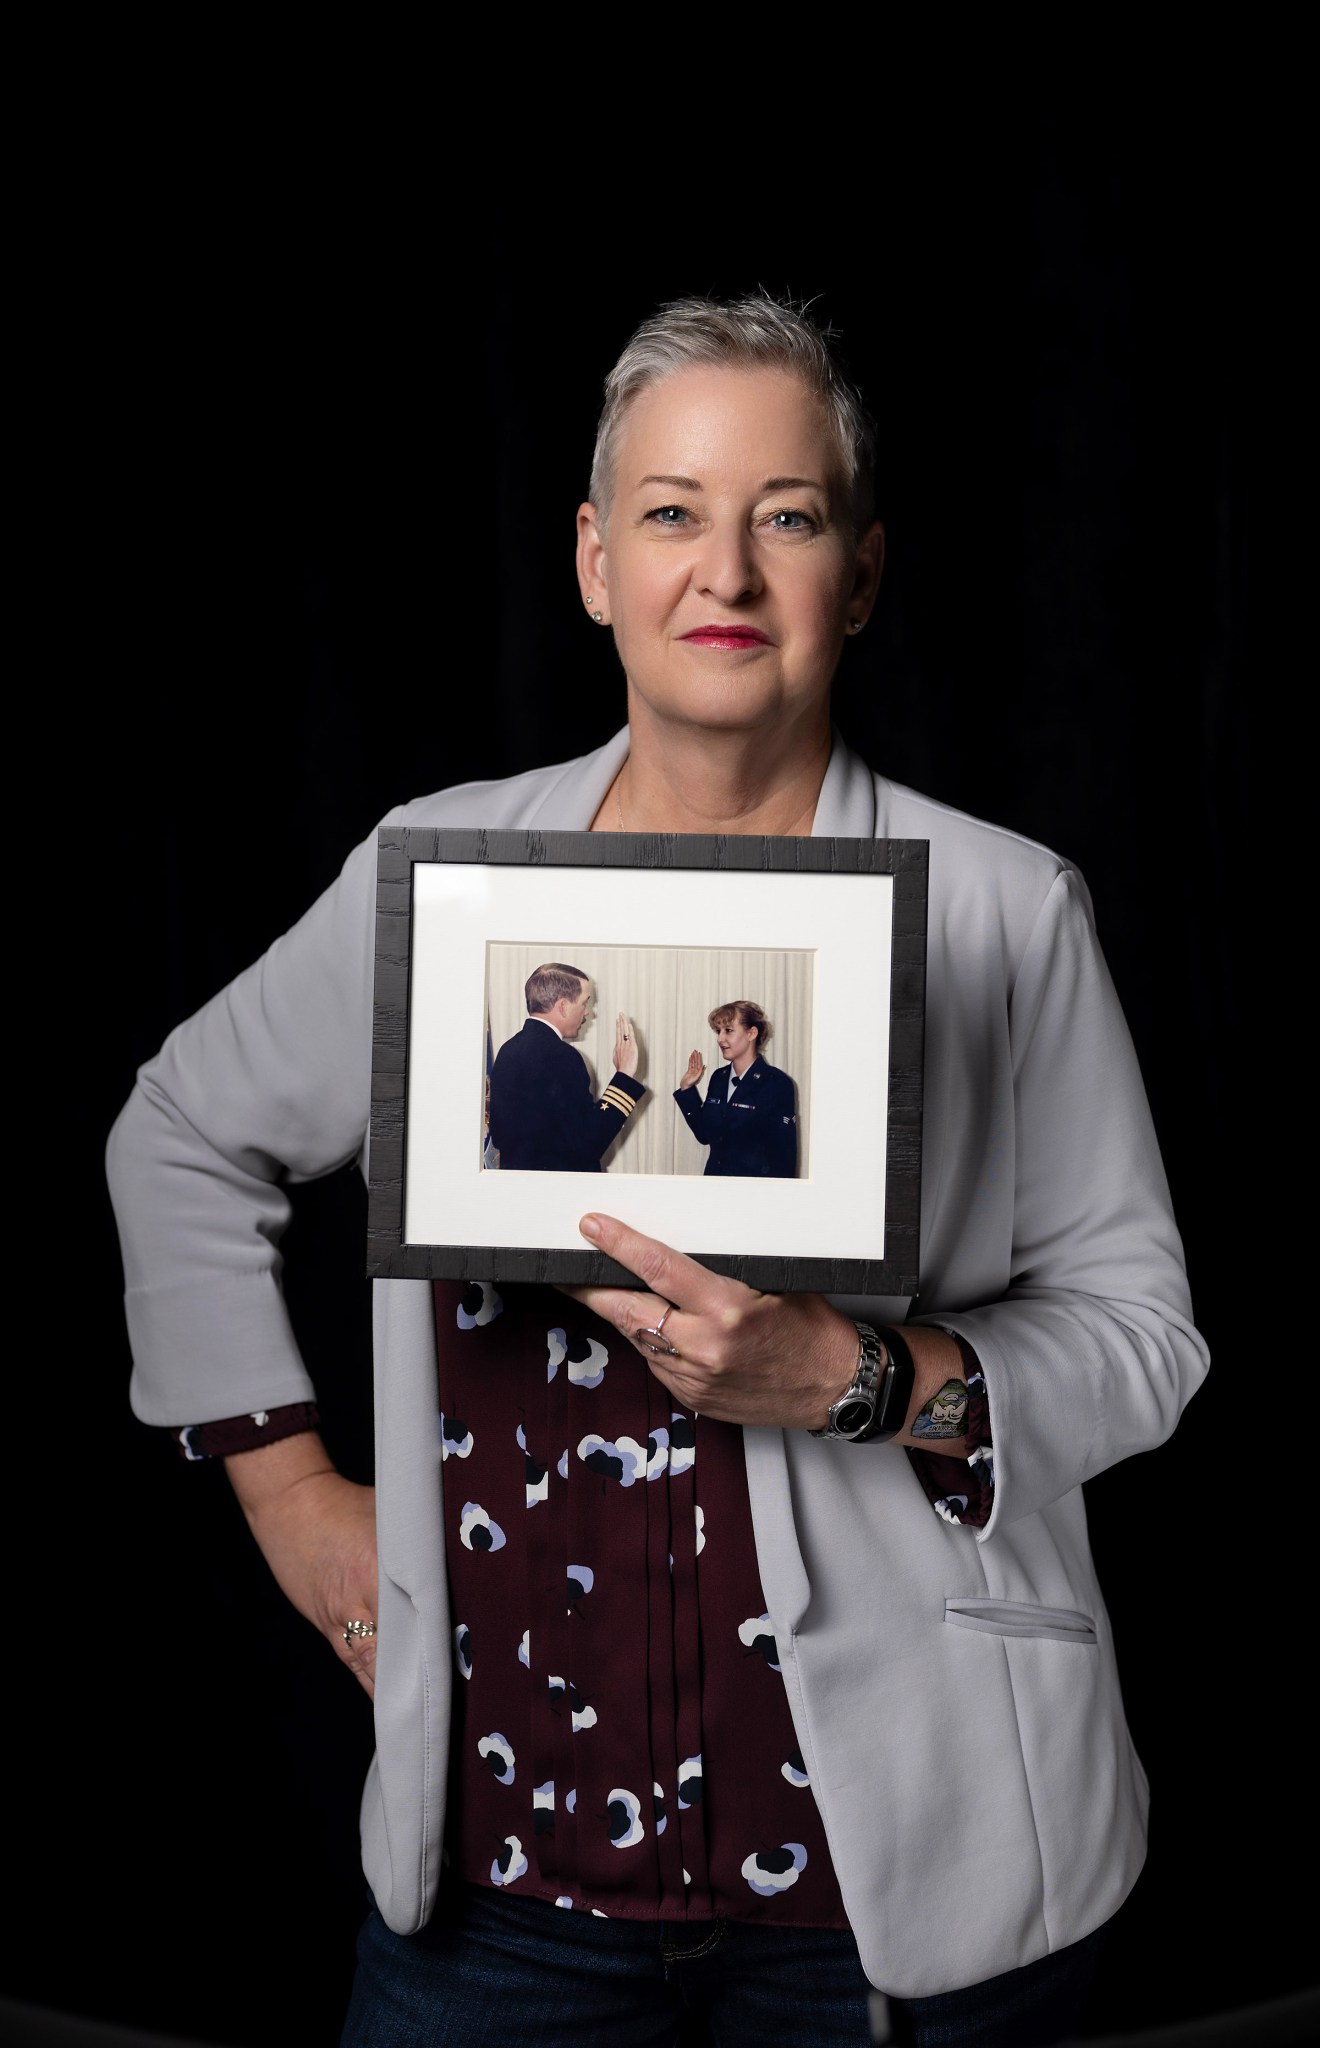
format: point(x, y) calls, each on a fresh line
point(756, 332)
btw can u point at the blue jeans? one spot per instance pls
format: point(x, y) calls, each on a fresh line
point(492, 1971)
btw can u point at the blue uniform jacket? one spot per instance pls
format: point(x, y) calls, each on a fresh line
point(543, 1116)
point(755, 1135)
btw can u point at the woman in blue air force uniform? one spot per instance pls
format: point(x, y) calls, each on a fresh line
point(749, 1116)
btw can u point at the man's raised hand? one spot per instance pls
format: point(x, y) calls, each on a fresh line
point(625, 1048)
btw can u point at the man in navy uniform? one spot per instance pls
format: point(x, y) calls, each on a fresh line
point(749, 1117)
point(543, 1116)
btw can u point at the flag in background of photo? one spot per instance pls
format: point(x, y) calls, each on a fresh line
point(490, 1158)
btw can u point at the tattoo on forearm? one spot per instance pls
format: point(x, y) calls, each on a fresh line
point(945, 1414)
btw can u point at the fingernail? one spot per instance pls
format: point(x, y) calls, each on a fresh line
point(589, 1226)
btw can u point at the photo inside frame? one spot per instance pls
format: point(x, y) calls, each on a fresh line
point(477, 927)
point(758, 1128)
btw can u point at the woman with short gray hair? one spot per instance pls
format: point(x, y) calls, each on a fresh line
point(733, 1653)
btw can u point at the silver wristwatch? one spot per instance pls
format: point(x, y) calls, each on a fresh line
point(875, 1406)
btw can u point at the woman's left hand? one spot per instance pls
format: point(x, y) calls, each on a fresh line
point(773, 1359)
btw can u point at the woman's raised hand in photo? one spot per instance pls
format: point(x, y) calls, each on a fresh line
point(693, 1072)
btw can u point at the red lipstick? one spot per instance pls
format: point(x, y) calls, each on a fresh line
point(731, 637)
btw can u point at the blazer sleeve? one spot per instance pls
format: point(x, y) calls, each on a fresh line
point(591, 1126)
point(693, 1110)
point(1091, 1353)
point(270, 1082)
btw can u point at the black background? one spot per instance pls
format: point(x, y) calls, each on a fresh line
point(327, 478)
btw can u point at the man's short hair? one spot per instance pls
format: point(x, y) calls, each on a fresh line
point(545, 985)
point(745, 1012)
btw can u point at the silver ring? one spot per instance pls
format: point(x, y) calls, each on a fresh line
point(662, 1348)
point(360, 1629)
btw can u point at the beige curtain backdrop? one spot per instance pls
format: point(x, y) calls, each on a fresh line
point(668, 992)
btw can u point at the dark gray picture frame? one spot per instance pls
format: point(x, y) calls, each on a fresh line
point(402, 849)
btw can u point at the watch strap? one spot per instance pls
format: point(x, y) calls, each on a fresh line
point(895, 1388)
point(873, 1407)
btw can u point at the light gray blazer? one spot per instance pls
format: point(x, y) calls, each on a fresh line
point(954, 1694)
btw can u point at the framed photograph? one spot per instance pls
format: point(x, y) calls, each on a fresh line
point(718, 1040)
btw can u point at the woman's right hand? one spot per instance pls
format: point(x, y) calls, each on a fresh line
point(317, 1532)
point(693, 1072)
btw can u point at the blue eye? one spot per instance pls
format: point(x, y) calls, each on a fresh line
point(803, 521)
point(668, 515)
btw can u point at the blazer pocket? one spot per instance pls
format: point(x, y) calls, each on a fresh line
point(1021, 1618)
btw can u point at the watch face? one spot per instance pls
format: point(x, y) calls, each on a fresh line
point(853, 1416)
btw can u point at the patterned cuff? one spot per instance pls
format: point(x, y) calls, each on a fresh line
point(962, 1489)
point(244, 1432)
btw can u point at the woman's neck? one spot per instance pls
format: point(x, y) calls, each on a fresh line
point(683, 778)
point(740, 1066)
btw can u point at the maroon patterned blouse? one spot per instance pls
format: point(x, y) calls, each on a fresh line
point(621, 1737)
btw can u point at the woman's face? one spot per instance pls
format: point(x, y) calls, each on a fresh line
point(729, 567)
point(737, 1043)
